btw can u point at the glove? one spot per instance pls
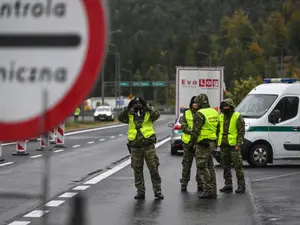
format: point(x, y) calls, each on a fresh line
point(143, 102)
point(131, 103)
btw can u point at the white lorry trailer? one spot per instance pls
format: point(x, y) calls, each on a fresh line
point(192, 81)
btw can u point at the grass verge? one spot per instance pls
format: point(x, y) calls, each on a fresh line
point(73, 126)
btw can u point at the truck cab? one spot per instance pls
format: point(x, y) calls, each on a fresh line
point(272, 120)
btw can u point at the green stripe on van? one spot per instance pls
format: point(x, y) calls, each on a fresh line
point(271, 129)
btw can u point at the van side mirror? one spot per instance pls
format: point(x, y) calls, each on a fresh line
point(171, 125)
point(274, 116)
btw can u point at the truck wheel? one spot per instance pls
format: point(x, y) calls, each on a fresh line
point(259, 155)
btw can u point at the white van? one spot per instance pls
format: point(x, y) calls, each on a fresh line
point(271, 113)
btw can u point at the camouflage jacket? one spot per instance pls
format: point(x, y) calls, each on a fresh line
point(240, 129)
point(140, 141)
point(184, 125)
point(199, 120)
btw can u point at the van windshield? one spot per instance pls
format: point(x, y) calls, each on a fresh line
point(255, 105)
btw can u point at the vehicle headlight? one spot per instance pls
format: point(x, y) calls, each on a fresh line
point(247, 125)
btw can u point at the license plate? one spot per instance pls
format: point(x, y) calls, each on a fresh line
point(102, 118)
point(180, 151)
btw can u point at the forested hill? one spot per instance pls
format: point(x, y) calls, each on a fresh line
point(244, 36)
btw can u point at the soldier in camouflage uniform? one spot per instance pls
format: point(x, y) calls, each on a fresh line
point(139, 116)
point(230, 132)
point(204, 137)
point(186, 122)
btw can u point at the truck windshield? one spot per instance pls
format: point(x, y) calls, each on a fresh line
point(255, 105)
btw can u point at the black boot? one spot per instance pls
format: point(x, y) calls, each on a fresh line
point(226, 189)
point(240, 190)
point(200, 188)
point(206, 195)
point(140, 196)
point(183, 188)
point(159, 196)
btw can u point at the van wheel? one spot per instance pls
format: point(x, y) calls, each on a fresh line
point(259, 155)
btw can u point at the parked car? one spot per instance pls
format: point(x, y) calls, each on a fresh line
point(104, 113)
point(177, 144)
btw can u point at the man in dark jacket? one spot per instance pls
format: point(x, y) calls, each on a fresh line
point(186, 122)
point(139, 116)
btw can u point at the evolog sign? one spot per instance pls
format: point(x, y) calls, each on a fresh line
point(47, 46)
point(208, 83)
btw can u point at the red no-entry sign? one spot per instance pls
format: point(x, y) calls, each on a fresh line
point(55, 46)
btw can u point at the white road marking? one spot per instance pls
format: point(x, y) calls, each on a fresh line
point(36, 213)
point(59, 150)
point(76, 146)
point(274, 177)
point(6, 164)
point(54, 203)
point(35, 156)
point(68, 195)
point(102, 139)
point(81, 188)
point(88, 130)
point(112, 137)
point(20, 223)
point(120, 135)
point(106, 174)
point(91, 142)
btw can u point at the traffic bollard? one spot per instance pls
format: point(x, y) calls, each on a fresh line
point(21, 148)
point(1, 156)
point(60, 136)
point(44, 142)
point(52, 136)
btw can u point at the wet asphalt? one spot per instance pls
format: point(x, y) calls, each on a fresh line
point(272, 193)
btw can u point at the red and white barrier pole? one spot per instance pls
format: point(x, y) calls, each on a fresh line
point(1, 156)
point(21, 148)
point(60, 136)
point(44, 142)
point(52, 136)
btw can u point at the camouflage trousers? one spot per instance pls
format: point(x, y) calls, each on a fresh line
point(187, 161)
point(138, 156)
point(205, 167)
point(230, 155)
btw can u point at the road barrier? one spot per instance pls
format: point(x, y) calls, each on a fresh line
point(44, 142)
point(21, 148)
point(60, 136)
point(1, 156)
point(52, 136)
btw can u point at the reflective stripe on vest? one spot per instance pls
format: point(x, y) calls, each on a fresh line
point(232, 131)
point(189, 119)
point(147, 127)
point(209, 128)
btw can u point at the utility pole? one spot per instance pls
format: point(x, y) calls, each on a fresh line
point(281, 62)
point(102, 84)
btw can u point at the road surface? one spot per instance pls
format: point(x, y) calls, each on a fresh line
point(96, 165)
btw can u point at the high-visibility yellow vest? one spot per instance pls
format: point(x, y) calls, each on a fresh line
point(77, 112)
point(232, 130)
point(209, 128)
point(189, 119)
point(147, 127)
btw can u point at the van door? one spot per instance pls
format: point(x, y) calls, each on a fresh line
point(285, 134)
